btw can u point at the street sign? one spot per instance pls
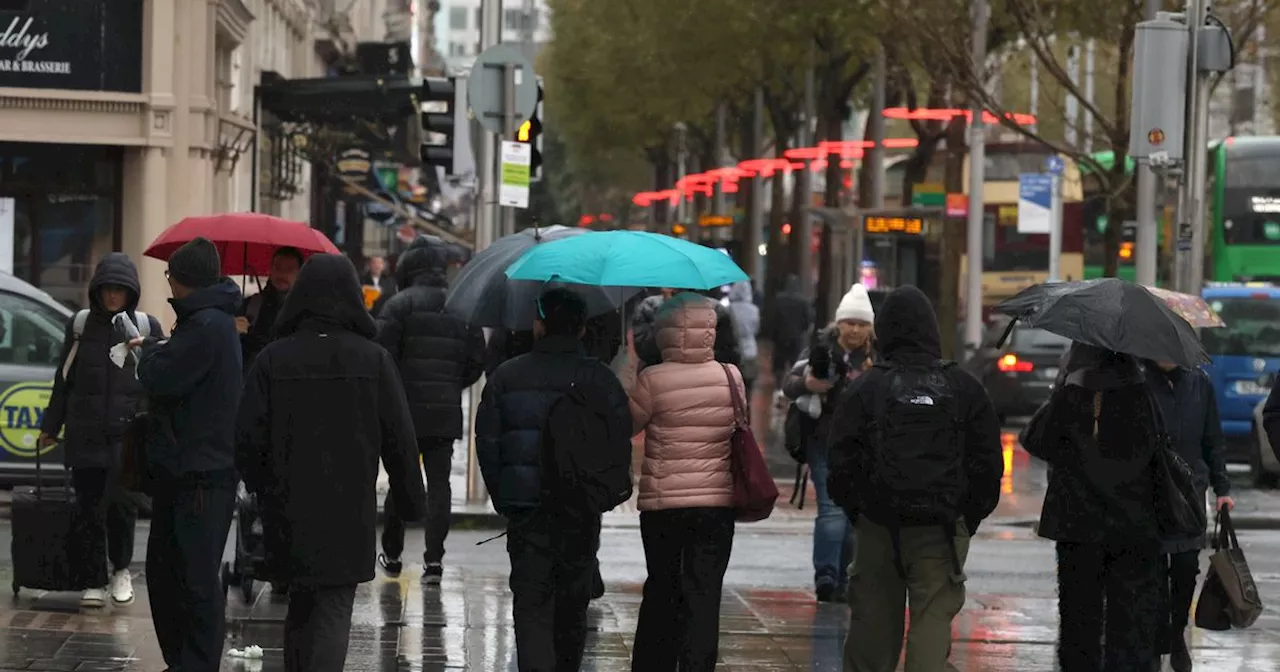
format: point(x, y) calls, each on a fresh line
point(957, 205)
point(1054, 165)
point(1035, 203)
point(513, 190)
point(486, 87)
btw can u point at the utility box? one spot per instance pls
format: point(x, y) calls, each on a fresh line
point(1159, 103)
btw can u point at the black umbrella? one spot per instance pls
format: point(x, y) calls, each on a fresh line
point(484, 296)
point(1109, 313)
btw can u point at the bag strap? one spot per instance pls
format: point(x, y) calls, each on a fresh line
point(1224, 540)
point(77, 330)
point(740, 417)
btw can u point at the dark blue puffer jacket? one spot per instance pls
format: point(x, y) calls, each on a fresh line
point(514, 407)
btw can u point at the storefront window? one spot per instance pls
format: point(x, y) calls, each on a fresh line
point(66, 214)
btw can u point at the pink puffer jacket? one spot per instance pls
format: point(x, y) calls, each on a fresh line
point(684, 408)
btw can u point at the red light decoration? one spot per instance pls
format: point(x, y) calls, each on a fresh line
point(585, 221)
point(947, 114)
point(786, 228)
point(606, 217)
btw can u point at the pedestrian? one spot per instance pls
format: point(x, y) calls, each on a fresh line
point(1098, 432)
point(685, 408)
point(642, 325)
point(322, 404)
point(256, 318)
point(552, 547)
point(193, 380)
point(1271, 420)
point(1190, 414)
point(746, 324)
point(378, 277)
point(438, 356)
point(840, 354)
point(95, 396)
point(789, 321)
point(916, 464)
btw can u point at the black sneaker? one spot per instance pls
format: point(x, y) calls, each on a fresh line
point(597, 586)
point(432, 574)
point(1180, 657)
point(391, 566)
point(826, 591)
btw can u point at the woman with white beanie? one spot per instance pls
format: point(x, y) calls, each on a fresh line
point(840, 353)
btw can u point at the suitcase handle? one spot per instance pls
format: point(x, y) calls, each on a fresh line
point(66, 482)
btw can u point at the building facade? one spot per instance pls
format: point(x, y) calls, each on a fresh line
point(457, 28)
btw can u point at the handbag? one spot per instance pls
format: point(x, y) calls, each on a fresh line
point(1179, 504)
point(1229, 597)
point(754, 490)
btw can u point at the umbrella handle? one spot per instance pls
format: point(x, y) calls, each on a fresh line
point(1007, 330)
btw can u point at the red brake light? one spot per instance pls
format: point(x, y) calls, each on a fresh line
point(1260, 295)
point(1011, 364)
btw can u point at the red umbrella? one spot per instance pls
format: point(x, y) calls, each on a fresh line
point(246, 240)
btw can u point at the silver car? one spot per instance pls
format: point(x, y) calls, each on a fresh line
point(1263, 465)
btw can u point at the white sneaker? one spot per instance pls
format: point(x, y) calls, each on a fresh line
point(122, 587)
point(94, 598)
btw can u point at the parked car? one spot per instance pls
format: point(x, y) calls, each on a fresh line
point(1020, 373)
point(1263, 465)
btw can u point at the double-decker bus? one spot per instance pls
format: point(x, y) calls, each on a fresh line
point(1244, 209)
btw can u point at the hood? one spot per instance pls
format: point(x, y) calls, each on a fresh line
point(426, 262)
point(115, 269)
point(741, 292)
point(327, 291)
point(906, 325)
point(223, 295)
point(686, 329)
point(792, 285)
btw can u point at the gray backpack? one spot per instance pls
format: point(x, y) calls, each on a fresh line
point(77, 330)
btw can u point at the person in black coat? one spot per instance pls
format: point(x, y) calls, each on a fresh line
point(438, 356)
point(1098, 433)
point(726, 347)
point(193, 381)
point(95, 400)
point(1271, 420)
point(553, 553)
point(787, 326)
point(1190, 412)
point(257, 316)
point(322, 404)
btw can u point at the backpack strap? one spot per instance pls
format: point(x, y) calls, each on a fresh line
point(77, 330)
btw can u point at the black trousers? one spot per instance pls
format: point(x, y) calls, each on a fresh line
point(784, 358)
point(437, 463)
point(553, 562)
point(686, 552)
point(189, 527)
point(107, 519)
point(317, 628)
point(1111, 606)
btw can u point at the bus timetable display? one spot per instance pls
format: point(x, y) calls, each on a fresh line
point(911, 226)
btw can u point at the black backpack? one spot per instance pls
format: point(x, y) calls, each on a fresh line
point(584, 466)
point(916, 475)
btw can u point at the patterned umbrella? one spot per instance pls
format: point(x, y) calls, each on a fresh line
point(1189, 307)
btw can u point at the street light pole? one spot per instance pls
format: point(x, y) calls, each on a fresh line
point(977, 178)
point(1190, 233)
point(1147, 245)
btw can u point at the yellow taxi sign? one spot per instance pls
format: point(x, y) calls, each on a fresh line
point(913, 226)
point(715, 220)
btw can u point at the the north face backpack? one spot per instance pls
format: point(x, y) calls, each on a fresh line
point(916, 474)
point(585, 467)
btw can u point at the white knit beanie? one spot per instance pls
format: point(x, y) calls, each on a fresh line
point(855, 305)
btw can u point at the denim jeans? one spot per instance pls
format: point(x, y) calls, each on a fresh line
point(833, 538)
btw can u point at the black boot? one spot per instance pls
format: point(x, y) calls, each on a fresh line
point(1179, 654)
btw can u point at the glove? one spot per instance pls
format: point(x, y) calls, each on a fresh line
point(820, 362)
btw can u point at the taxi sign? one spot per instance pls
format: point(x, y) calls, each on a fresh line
point(912, 226)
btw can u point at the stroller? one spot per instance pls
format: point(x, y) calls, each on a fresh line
point(249, 553)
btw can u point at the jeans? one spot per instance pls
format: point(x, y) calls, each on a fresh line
point(437, 463)
point(189, 527)
point(553, 562)
point(834, 542)
point(317, 628)
point(1111, 607)
point(105, 527)
point(686, 552)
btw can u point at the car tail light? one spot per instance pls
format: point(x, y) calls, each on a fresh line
point(1011, 364)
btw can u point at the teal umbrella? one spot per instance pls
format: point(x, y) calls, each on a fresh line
point(627, 259)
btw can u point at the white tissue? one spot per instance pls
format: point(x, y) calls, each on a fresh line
point(119, 353)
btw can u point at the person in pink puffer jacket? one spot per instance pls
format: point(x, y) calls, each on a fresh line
point(684, 407)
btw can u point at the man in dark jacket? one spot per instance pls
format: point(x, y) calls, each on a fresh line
point(257, 315)
point(95, 398)
point(1190, 413)
point(790, 318)
point(193, 380)
point(439, 356)
point(552, 552)
point(322, 404)
point(726, 348)
point(895, 552)
point(1271, 420)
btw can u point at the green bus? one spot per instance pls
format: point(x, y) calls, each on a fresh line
point(1243, 214)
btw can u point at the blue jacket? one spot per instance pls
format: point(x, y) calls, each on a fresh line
point(514, 407)
point(194, 383)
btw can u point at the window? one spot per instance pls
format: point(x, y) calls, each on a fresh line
point(457, 18)
point(457, 49)
point(513, 19)
point(1253, 328)
point(1253, 172)
point(31, 333)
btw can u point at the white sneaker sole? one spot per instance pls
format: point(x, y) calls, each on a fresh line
point(121, 603)
point(92, 604)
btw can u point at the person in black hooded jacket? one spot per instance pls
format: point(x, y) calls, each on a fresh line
point(322, 403)
point(439, 356)
point(1097, 432)
point(94, 400)
point(726, 347)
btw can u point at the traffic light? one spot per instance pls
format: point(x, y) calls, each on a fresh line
point(530, 132)
point(439, 128)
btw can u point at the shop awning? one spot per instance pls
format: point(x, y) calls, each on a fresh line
point(339, 100)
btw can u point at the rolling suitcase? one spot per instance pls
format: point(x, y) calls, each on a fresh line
point(42, 522)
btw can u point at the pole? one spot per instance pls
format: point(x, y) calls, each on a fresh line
point(1189, 191)
point(977, 178)
point(755, 206)
point(1071, 134)
point(875, 154)
point(1035, 91)
point(803, 185)
point(717, 202)
point(1055, 230)
point(1089, 48)
point(682, 160)
point(508, 215)
point(1147, 243)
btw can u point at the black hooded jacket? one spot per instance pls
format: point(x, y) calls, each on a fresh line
point(97, 400)
point(438, 354)
point(1101, 478)
point(907, 335)
point(642, 322)
point(261, 309)
point(322, 404)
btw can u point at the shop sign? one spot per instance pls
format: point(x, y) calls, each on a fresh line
point(88, 45)
point(911, 226)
